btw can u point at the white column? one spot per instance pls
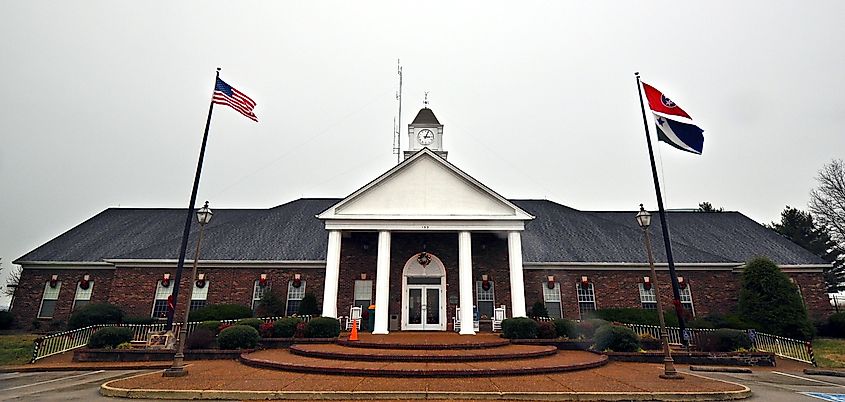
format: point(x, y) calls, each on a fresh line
point(517, 282)
point(332, 275)
point(382, 283)
point(465, 282)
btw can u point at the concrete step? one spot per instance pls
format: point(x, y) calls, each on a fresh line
point(342, 352)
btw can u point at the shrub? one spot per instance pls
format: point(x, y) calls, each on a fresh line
point(6, 320)
point(252, 322)
point(322, 327)
point(836, 325)
point(238, 337)
point(723, 340)
point(213, 326)
point(308, 305)
point(300, 330)
point(124, 346)
point(771, 302)
point(95, 314)
point(110, 337)
point(617, 338)
point(285, 327)
point(272, 304)
point(637, 316)
point(200, 338)
point(587, 328)
point(546, 330)
point(220, 312)
point(519, 328)
point(139, 320)
point(539, 310)
point(565, 328)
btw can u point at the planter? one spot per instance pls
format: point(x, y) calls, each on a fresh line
point(281, 343)
point(699, 358)
point(149, 355)
point(560, 343)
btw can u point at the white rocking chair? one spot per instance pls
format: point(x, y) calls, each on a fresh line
point(354, 315)
point(498, 317)
point(457, 320)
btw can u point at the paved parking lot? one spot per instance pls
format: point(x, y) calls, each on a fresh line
point(785, 386)
point(57, 385)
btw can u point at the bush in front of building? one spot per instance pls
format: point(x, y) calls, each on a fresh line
point(95, 314)
point(731, 321)
point(211, 325)
point(308, 305)
point(139, 320)
point(238, 337)
point(771, 302)
point(272, 304)
point(723, 340)
point(110, 337)
point(519, 328)
point(220, 312)
point(587, 328)
point(546, 330)
point(6, 320)
point(539, 310)
point(565, 328)
point(200, 338)
point(636, 316)
point(285, 327)
point(322, 327)
point(836, 325)
point(617, 338)
point(252, 322)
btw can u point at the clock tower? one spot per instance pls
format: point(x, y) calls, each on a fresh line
point(425, 132)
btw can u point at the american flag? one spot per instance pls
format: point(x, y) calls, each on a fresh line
point(224, 94)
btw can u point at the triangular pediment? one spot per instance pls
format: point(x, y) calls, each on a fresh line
point(425, 186)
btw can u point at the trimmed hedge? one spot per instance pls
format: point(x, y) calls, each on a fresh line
point(110, 337)
point(252, 322)
point(519, 328)
point(565, 328)
point(212, 325)
point(546, 330)
point(587, 328)
point(723, 340)
point(139, 320)
point(285, 327)
point(322, 327)
point(617, 338)
point(200, 338)
point(220, 312)
point(6, 320)
point(836, 325)
point(238, 337)
point(95, 314)
point(637, 316)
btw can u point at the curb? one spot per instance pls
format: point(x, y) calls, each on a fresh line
point(833, 373)
point(109, 391)
point(33, 369)
point(721, 369)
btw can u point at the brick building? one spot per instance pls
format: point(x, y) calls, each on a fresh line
point(422, 239)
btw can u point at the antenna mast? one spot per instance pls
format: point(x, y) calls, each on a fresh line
point(397, 129)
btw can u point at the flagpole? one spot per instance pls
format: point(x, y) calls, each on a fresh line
point(189, 217)
point(676, 292)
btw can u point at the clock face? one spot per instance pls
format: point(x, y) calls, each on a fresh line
point(425, 137)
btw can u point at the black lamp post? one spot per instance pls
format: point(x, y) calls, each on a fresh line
point(177, 369)
point(669, 372)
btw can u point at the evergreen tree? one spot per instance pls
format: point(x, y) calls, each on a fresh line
point(771, 302)
point(708, 207)
point(799, 226)
point(272, 305)
point(308, 305)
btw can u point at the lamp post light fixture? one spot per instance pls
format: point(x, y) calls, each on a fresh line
point(669, 372)
point(177, 369)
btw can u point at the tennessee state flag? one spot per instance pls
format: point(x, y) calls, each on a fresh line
point(661, 104)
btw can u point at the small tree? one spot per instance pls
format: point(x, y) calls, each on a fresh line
point(272, 305)
point(771, 302)
point(708, 207)
point(308, 305)
point(539, 310)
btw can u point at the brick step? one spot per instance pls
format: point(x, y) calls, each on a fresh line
point(341, 352)
point(425, 341)
point(282, 359)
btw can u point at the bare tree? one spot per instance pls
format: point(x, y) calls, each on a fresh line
point(827, 202)
point(12, 281)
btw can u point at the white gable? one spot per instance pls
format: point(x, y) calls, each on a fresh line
point(425, 187)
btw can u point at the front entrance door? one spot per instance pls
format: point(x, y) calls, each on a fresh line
point(424, 312)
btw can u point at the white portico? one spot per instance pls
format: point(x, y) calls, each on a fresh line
point(424, 193)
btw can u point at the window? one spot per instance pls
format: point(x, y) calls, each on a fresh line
point(485, 299)
point(647, 298)
point(586, 299)
point(48, 300)
point(83, 296)
point(199, 296)
point(295, 296)
point(552, 299)
point(686, 300)
point(257, 293)
point(363, 293)
point(161, 296)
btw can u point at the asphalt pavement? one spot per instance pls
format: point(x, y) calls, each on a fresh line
point(786, 386)
point(58, 385)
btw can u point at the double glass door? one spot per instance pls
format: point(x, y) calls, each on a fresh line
point(424, 312)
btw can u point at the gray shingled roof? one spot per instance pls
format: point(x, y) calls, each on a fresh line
point(425, 116)
point(291, 232)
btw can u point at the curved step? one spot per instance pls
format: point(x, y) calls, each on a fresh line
point(340, 352)
point(426, 341)
point(281, 359)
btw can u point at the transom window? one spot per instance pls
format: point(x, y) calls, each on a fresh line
point(647, 298)
point(161, 296)
point(551, 297)
point(485, 299)
point(258, 293)
point(363, 293)
point(48, 300)
point(199, 296)
point(83, 296)
point(686, 300)
point(586, 299)
point(295, 296)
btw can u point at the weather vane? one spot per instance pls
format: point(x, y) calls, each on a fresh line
point(425, 101)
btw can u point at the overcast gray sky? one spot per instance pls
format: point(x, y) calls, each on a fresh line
point(105, 101)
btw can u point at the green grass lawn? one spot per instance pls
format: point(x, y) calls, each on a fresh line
point(15, 349)
point(830, 352)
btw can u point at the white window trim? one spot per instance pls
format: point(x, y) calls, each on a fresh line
point(479, 291)
point(255, 296)
point(155, 297)
point(43, 294)
point(355, 297)
point(76, 297)
point(591, 290)
point(687, 289)
point(647, 296)
point(556, 291)
point(300, 289)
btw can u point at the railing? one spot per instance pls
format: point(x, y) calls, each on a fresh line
point(61, 342)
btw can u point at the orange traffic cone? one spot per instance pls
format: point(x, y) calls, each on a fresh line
point(354, 335)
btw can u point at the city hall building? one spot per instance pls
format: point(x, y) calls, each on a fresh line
point(421, 242)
